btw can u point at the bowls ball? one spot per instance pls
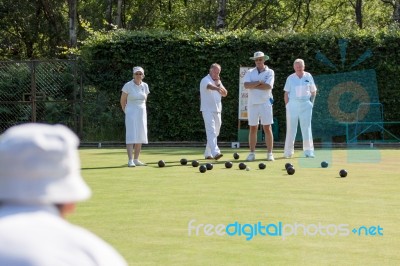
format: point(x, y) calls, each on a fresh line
point(290, 170)
point(202, 168)
point(228, 164)
point(195, 163)
point(242, 166)
point(343, 173)
point(262, 166)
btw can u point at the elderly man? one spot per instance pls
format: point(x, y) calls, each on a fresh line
point(211, 92)
point(40, 182)
point(259, 82)
point(300, 92)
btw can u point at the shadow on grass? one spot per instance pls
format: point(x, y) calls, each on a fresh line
point(103, 167)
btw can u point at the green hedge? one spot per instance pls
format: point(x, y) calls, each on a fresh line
point(175, 62)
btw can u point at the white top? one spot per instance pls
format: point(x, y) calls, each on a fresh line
point(210, 99)
point(257, 96)
point(38, 236)
point(137, 94)
point(300, 88)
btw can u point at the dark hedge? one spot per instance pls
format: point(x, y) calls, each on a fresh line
point(175, 62)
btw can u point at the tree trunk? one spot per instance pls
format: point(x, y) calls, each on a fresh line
point(358, 9)
point(109, 13)
point(221, 15)
point(396, 11)
point(119, 14)
point(72, 5)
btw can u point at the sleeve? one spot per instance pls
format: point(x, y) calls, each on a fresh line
point(99, 251)
point(125, 88)
point(247, 76)
point(313, 87)
point(203, 84)
point(287, 85)
point(270, 78)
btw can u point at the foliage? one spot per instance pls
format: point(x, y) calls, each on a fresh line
point(175, 62)
point(39, 28)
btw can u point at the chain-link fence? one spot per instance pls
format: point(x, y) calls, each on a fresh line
point(40, 91)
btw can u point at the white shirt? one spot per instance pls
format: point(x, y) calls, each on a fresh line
point(300, 88)
point(38, 236)
point(257, 96)
point(210, 99)
point(137, 94)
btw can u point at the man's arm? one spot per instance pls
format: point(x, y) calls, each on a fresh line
point(286, 97)
point(260, 85)
point(313, 95)
point(218, 87)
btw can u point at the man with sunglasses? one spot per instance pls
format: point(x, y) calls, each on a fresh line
point(259, 82)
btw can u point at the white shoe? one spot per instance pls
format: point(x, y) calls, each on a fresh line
point(270, 157)
point(287, 156)
point(139, 163)
point(311, 155)
point(131, 163)
point(251, 157)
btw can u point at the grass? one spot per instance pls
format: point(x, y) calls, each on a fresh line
point(144, 212)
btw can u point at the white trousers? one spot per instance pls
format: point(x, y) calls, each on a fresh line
point(212, 123)
point(299, 110)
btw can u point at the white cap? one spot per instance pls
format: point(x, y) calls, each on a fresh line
point(40, 163)
point(138, 69)
point(258, 55)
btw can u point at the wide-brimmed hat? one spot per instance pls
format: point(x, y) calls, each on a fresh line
point(40, 163)
point(258, 55)
point(138, 69)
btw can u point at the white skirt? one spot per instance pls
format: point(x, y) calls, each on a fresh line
point(136, 123)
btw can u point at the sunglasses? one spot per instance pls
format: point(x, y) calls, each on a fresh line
point(259, 59)
point(138, 74)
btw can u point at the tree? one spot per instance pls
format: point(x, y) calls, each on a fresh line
point(396, 9)
point(357, 5)
point(33, 28)
point(119, 14)
point(72, 11)
point(221, 14)
point(109, 13)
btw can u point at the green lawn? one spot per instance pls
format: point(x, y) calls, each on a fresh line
point(145, 211)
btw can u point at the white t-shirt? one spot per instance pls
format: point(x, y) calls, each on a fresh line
point(36, 235)
point(300, 88)
point(210, 99)
point(137, 94)
point(256, 96)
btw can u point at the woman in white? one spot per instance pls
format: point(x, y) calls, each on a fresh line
point(300, 92)
point(133, 103)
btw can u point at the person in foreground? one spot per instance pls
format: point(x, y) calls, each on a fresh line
point(133, 103)
point(40, 182)
point(259, 82)
point(211, 92)
point(300, 92)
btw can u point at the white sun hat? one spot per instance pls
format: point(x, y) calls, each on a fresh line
point(138, 69)
point(258, 55)
point(39, 163)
